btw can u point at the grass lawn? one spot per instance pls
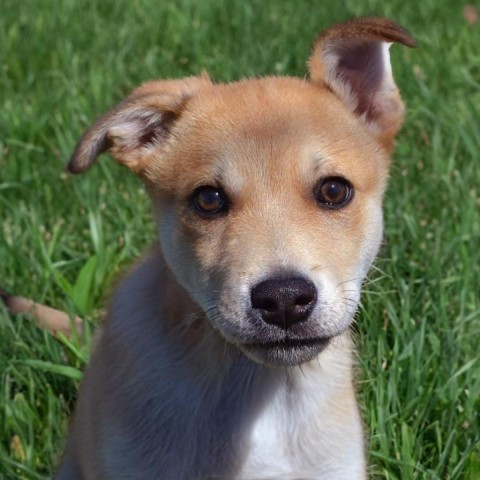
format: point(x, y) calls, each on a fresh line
point(63, 239)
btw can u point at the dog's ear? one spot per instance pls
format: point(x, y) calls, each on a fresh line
point(138, 126)
point(352, 59)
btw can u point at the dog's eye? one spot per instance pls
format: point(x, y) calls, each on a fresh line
point(210, 201)
point(334, 192)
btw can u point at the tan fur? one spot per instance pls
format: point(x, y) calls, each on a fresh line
point(190, 380)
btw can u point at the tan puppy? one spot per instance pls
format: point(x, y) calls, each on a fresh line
point(226, 353)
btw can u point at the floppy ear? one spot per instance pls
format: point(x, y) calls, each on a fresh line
point(138, 126)
point(352, 59)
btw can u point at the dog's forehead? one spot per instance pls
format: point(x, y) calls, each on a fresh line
point(270, 110)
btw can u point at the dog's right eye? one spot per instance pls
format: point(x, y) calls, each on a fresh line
point(210, 202)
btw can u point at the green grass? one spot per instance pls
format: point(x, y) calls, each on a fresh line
point(64, 239)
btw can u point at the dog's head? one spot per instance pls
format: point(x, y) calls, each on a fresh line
point(268, 191)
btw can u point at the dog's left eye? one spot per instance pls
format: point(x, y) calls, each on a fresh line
point(334, 192)
point(210, 201)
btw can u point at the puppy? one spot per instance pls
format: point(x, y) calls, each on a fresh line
point(226, 352)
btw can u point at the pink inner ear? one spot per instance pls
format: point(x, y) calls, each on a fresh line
point(140, 128)
point(156, 128)
point(362, 67)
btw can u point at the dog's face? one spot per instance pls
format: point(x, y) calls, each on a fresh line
point(269, 212)
point(268, 192)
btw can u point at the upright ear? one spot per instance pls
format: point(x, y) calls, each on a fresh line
point(352, 59)
point(138, 126)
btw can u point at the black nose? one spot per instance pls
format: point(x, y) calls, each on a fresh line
point(284, 302)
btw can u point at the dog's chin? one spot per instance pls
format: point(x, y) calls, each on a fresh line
point(285, 353)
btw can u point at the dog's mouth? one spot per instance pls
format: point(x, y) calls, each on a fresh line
point(286, 352)
point(289, 343)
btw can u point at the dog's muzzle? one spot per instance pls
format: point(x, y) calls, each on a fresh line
point(284, 306)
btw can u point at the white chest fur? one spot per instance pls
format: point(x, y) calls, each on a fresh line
point(311, 428)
